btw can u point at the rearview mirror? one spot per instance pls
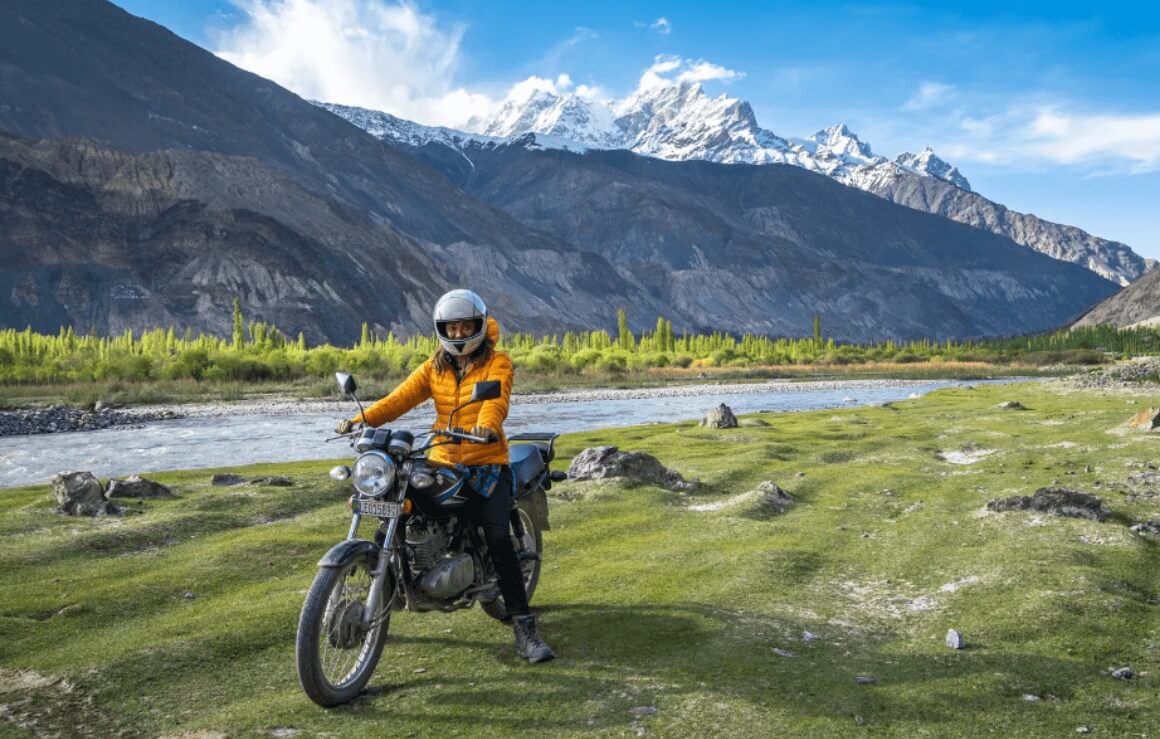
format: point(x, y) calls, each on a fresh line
point(345, 383)
point(487, 390)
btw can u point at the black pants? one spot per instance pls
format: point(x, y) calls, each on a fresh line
point(494, 515)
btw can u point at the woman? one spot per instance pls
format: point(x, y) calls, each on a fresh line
point(467, 355)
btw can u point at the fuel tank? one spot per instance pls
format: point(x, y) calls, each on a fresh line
point(436, 491)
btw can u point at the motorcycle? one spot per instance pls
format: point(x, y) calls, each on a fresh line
point(422, 557)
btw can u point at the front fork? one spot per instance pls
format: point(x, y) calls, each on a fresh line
point(382, 567)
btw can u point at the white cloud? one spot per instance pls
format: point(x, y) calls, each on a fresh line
point(929, 95)
point(372, 53)
point(703, 71)
point(1058, 134)
point(660, 25)
point(658, 74)
point(1072, 138)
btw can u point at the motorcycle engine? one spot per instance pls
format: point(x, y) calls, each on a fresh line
point(428, 542)
point(441, 575)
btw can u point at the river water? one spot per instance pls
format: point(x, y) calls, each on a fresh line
point(290, 432)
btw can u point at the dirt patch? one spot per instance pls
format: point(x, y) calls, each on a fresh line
point(726, 503)
point(965, 456)
point(49, 705)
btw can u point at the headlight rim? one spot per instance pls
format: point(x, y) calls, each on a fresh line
point(390, 474)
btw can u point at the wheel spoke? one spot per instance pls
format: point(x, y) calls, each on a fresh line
point(342, 662)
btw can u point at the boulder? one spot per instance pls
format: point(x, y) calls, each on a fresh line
point(227, 479)
point(1146, 420)
point(136, 486)
point(720, 417)
point(596, 463)
point(1055, 501)
point(81, 494)
point(1012, 405)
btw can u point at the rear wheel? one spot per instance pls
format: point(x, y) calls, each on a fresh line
point(336, 654)
point(532, 542)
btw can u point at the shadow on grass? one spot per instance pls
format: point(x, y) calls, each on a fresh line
point(694, 649)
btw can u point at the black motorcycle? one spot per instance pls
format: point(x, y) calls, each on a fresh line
point(423, 557)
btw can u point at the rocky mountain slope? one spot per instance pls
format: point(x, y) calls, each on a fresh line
point(145, 181)
point(1137, 304)
point(771, 245)
point(681, 122)
point(207, 181)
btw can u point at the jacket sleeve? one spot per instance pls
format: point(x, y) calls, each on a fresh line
point(414, 390)
point(493, 412)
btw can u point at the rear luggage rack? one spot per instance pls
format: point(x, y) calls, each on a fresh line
point(545, 440)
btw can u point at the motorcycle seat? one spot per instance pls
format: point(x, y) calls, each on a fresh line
point(527, 464)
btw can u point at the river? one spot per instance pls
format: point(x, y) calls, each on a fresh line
point(225, 436)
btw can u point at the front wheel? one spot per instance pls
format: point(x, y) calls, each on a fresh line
point(336, 654)
point(532, 542)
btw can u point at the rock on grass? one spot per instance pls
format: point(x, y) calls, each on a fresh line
point(81, 494)
point(720, 417)
point(1146, 420)
point(1055, 501)
point(774, 497)
point(601, 462)
point(136, 486)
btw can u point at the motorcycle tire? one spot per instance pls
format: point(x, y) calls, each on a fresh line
point(533, 542)
point(328, 628)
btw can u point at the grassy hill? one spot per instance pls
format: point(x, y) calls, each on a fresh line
point(673, 614)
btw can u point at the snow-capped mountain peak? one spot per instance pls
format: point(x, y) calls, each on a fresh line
point(680, 121)
point(840, 143)
point(928, 163)
point(564, 115)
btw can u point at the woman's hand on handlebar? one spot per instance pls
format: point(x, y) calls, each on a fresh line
point(484, 432)
point(345, 426)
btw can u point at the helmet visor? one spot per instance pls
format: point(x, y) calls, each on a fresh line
point(459, 329)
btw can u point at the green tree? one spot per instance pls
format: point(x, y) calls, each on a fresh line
point(624, 338)
point(239, 324)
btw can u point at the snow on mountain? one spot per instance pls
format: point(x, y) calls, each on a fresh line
point(679, 121)
point(566, 116)
point(386, 126)
point(675, 122)
point(927, 163)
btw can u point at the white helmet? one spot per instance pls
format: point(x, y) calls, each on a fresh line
point(460, 305)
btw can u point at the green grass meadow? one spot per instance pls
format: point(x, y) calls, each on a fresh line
point(673, 614)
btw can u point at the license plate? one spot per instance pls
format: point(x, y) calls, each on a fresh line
point(379, 508)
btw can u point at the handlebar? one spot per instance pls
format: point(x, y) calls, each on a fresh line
point(457, 434)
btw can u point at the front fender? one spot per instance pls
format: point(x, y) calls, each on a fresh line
point(345, 551)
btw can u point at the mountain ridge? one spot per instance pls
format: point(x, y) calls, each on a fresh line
point(681, 122)
point(146, 170)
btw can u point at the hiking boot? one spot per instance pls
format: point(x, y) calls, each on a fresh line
point(529, 645)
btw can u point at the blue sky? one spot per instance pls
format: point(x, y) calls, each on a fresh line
point(1048, 108)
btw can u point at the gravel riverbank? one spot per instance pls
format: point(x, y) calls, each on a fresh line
point(63, 418)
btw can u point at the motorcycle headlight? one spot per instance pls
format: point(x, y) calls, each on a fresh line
point(373, 473)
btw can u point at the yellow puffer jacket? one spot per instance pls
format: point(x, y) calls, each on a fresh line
point(449, 392)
